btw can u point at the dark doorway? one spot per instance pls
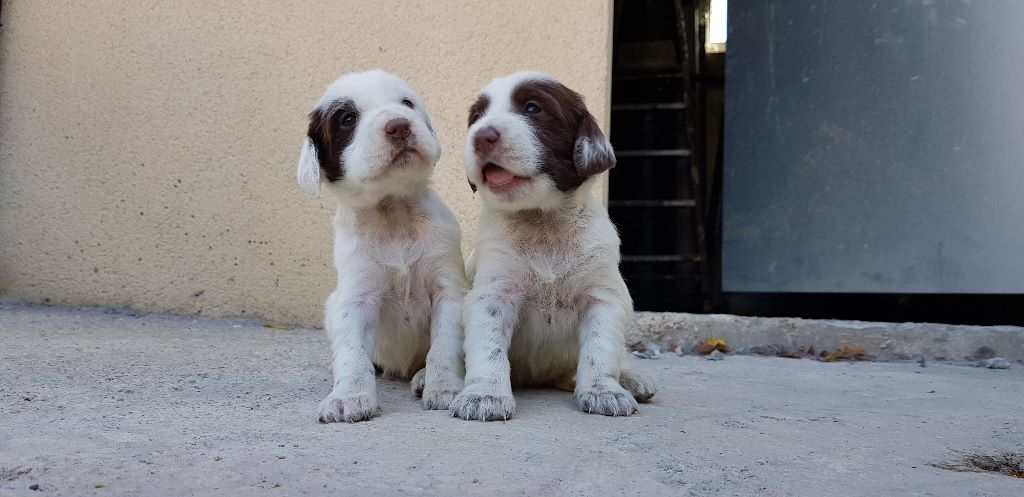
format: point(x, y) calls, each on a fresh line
point(666, 194)
point(663, 194)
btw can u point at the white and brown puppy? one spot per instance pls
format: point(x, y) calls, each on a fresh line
point(547, 301)
point(401, 280)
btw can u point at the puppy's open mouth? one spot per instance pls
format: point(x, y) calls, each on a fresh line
point(500, 179)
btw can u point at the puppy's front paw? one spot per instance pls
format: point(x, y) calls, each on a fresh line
point(350, 409)
point(607, 400)
point(639, 385)
point(483, 403)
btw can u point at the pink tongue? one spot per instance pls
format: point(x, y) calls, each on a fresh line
point(497, 176)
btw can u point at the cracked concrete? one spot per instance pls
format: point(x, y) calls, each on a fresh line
point(96, 402)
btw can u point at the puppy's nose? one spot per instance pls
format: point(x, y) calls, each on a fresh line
point(398, 128)
point(485, 139)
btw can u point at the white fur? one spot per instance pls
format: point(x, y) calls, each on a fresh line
point(309, 168)
point(547, 301)
point(396, 248)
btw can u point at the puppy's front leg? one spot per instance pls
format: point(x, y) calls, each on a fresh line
point(597, 374)
point(351, 325)
point(445, 369)
point(490, 321)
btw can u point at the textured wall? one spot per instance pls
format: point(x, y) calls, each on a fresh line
point(148, 149)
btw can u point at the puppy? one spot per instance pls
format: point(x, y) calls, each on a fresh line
point(401, 280)
point(547, 299)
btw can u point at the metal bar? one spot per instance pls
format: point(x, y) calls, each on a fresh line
point(668, 152)
point(708, 80)
point(649, 75)
point(688, 25)
point(650, 106)
point(663, 258)
point(661, 277)
point(652, 203)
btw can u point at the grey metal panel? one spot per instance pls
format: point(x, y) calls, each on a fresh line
point(874, 146)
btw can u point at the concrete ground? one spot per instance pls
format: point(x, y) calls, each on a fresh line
point(103, 403)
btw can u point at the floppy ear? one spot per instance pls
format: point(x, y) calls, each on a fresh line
point(309, 167)
point(593, 153)
point(319, 150)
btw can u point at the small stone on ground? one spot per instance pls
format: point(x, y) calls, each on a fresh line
point(994, 363)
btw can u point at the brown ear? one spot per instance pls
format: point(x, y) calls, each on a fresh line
point(593, 153)
point(325, 140)
point(316, 150)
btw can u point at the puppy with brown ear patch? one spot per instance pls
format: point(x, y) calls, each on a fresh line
point(547, 302)
point(401, 280)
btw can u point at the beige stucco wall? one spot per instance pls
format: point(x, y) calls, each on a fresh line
point(148, 149)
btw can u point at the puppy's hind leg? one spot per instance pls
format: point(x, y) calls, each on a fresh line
point(639, 385)
point(417, 382)
point(566, 383)
point(351, 326)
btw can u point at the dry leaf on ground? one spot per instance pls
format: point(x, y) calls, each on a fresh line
point(712, 344)
point(848, 352)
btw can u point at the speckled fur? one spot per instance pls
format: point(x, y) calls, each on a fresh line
point(547, 301)
point(401, 281)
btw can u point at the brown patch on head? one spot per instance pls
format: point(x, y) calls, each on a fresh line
point(330, 131)
point(477, 110)
point(568, 133)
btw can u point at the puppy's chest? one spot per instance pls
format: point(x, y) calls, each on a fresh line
point(396, 256)
point(550, 259)
point(401, 266)
point(553, 279)
point(547, 272)
point(396, 266)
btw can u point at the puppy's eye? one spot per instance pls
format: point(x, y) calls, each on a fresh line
point(531, 108)
point(349, 119)
point(408, 103)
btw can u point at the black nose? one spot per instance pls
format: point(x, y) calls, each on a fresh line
point(398, 128)
point(485, 139)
